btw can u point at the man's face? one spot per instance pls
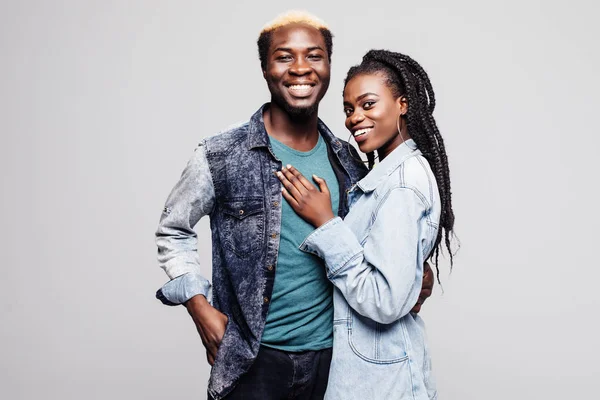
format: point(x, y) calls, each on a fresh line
point(298, 69)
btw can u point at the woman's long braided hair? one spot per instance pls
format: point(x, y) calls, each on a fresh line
point(405, 77)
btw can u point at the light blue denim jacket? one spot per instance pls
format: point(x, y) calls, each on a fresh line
point(374, 258)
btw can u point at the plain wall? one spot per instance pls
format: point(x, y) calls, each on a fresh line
point(103, 102)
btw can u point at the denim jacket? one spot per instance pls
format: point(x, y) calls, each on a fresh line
point(374, 258)
point(231, 179)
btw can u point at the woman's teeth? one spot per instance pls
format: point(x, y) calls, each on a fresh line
point(361, 131)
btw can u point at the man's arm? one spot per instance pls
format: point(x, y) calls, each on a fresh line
point(210, 324)
point(192, 198)
point(426, 287)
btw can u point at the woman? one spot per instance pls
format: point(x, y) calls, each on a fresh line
point(400, 212)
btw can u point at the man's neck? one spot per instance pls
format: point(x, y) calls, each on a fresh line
point(299, 133)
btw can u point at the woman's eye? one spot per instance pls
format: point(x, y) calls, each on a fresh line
point(347, 111)
point(368, 104)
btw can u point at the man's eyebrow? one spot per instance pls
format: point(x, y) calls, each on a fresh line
point(289, 49)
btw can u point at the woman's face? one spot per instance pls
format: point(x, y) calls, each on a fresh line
point(372, 113)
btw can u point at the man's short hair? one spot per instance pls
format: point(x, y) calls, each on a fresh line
point(291, 17)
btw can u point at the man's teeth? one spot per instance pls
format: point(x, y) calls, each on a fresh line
point(300, 87)
point(361, 131)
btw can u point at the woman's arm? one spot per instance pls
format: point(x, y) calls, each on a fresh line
point(381, 278)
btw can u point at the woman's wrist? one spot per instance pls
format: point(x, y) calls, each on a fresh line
point(322, 220)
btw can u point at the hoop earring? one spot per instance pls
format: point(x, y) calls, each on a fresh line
point(400, 133)
point(348, 145)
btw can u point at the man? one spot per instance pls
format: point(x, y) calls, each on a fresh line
point(268, 332)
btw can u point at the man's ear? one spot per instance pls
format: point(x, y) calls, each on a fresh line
point(264, 74)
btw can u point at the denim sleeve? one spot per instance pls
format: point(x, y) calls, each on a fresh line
point(181, 289)
point(380, 279)
point(192, 198)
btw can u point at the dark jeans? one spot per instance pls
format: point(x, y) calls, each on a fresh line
point(281, 375)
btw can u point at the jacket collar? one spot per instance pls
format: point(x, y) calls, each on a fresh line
point(260, 138)
point(389, 164)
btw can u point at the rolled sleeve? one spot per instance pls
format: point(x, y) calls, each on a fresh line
point(381, 278)
point(335, 243)
point(192, 198)
point(181, 289)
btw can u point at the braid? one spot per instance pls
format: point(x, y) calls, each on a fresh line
point(371, 159)
point(405, 77)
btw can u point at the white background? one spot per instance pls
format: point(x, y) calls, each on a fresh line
point(103, 102)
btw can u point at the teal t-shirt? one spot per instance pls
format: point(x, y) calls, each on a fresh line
point(301, 311)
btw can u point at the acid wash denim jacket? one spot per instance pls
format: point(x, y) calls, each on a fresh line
point(374, 258)
point(231, 179)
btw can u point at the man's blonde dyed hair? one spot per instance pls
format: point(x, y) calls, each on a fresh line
point(294, 17)
point(287, 18)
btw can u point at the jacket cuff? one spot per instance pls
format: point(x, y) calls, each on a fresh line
point(335, 243)
point(181, 289)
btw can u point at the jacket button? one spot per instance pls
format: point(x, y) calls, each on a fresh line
point(273, 235)
point(275, 204)
point(241, 212)
point(270, 268)
point(266, 300)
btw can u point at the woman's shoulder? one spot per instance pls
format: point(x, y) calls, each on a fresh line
point(415, 174)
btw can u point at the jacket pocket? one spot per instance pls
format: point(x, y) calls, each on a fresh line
point(224, 340)
point(243, 225)
point(377, 343)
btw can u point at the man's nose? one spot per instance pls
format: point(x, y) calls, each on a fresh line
point(300, 67)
